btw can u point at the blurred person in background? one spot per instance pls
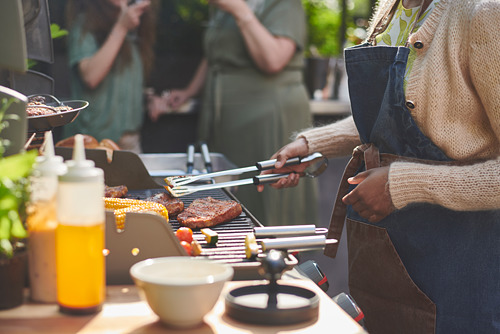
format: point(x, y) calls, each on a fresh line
point(110, 51)
point(422, 191)
point(254, 96)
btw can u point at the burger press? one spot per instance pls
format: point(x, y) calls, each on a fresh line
point(272, 303)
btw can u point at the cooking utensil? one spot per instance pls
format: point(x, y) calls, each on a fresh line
point(179, 191)
point(190, 159)
point(177, 188)
point(206, 157)
point(176, 181)
point(272, 303)
point(287, 231)
point(48, 122)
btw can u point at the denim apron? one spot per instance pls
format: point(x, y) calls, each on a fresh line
point(424, 268)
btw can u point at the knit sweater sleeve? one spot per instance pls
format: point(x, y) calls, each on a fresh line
point(333, 140)
point(462, 188)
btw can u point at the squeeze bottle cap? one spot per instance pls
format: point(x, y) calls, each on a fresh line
point(80, 169)
point(49, 164)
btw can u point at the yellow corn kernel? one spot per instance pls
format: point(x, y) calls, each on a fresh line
point(118, 203)
point(123, 205)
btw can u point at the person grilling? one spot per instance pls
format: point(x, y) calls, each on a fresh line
point(422, 190)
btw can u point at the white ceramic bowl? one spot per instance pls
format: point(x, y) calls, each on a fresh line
point(181, 289)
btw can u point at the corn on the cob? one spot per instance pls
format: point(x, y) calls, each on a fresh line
point(121, 206)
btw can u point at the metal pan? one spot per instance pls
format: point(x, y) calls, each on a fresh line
point(48, 122)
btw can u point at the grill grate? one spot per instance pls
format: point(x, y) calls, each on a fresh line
point(231, 245)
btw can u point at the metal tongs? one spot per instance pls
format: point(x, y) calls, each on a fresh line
point(178, 185)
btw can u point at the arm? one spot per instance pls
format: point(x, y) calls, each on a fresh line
point(93, 70)
point(333, 140)
point(270, 53)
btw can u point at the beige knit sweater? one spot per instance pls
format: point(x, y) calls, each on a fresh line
point(455, 86)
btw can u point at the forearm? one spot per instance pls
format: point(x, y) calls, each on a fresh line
point(333, 140)
point(461, 188)
point(270, 53)
point(198, 80)
point(93, 70)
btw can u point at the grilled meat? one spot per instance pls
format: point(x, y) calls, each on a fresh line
point(207, 212)
point(115, 192)
point(37, 107)
point(174, 205)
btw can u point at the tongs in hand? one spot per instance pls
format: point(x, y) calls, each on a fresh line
point(177, 185)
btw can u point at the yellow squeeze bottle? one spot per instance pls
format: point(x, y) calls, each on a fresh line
point(80, 263)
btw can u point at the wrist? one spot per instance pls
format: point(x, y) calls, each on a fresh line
point(246, 17)
point(119, 30)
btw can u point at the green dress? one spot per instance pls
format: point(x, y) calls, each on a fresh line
point(115, 106)
point(248, 115)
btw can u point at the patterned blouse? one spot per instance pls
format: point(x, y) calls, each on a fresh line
point(398, 30)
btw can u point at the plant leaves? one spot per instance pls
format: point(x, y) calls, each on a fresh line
point(17, 229)
point(17, 166)
point(5, 225)
point(6, 248)
point(56, 31)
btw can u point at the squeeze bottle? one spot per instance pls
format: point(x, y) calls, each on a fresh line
point(80, 235)
point(42, 223)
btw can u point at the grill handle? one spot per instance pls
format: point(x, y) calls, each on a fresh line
point(296, 244)
point(190, 159)
point(206, 157)
point(287, 231)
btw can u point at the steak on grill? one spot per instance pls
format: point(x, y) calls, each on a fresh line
point(174, 205)
point(207, 212)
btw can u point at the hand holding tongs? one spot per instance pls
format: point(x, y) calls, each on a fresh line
point(176, 185)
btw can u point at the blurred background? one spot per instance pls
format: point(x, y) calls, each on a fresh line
point(332, 25)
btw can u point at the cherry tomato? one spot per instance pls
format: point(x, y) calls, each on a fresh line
point(187, 246)
point(184, 234)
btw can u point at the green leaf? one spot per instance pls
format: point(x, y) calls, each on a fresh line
point(6, 247)
point(56, 31)
point(8, 202)
point(5, 227)
point(17, 229)
point(17, 166)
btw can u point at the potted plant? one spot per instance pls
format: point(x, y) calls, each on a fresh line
point(14, 195)
point(323, 42)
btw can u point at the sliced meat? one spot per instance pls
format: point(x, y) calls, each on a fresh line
point(207, 212)
point(115, 192)
point(174, 205)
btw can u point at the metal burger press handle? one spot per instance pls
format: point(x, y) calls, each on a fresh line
point(294, 238)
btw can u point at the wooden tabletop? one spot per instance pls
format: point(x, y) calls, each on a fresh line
point(125, 312)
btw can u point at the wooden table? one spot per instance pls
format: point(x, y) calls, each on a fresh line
point(125, 312)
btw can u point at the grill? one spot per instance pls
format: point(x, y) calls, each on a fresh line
point(147, 235)
point(230, 247)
